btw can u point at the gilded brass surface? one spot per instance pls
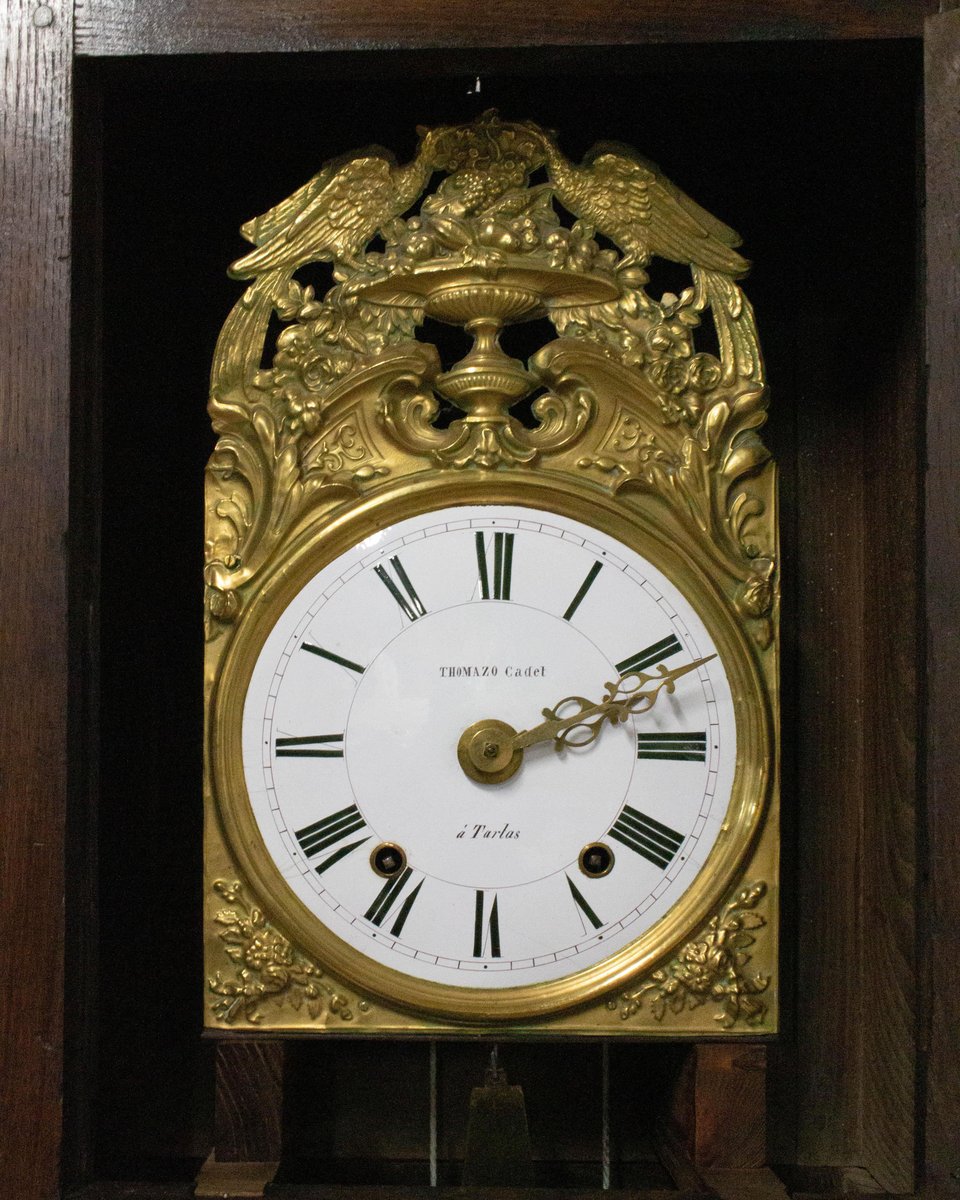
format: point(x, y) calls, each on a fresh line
point(490, 751)
point(634, 692)
point(485, 751)
point(711, 969)
point(262, 972)
point(635, 431)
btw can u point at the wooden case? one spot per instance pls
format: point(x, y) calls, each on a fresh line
point(138, 137)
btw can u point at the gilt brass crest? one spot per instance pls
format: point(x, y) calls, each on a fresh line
point(352, 396)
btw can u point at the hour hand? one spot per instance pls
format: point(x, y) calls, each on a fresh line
point(491, 751)
point(635, 692)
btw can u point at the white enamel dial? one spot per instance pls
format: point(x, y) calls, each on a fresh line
point(364, 687)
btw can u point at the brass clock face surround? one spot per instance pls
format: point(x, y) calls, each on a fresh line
point(680, 558)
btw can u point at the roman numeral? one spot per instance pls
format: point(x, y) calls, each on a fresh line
point(656, 842)
point(321, 835)
point(387, 897)
point(651, 656)
point(584, 588)
point(334, 658)
point(680, 747)
point(303, 747)
point(583, 905)
point(492, 928)
point(502, 566)
point(410, 603)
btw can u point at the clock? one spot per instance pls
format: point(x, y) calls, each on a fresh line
point(491, 736)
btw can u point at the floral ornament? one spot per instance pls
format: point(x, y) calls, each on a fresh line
point(268, 967)
point(656, 337)
point(325, 344)
point(712, 968)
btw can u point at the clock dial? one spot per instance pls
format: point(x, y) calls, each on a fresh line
point(488, 616)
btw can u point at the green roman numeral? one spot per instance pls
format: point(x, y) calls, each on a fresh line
point(323, 834)
point(583, 589)
point(656, 842)
point(303, 747)
point(502, 566)
point(388, 896)
point(651, 656)
point(410, 603)
point(334, 658)
point(680, 747)
point(582, 904)
point(492, 928)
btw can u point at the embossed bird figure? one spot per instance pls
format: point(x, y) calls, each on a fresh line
point(336, 213)
point(629, 200)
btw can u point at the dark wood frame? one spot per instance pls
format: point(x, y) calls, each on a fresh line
point(904, 1092)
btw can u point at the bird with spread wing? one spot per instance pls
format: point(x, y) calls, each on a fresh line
point(336, 213)
point(618, 193)
point(628, 199)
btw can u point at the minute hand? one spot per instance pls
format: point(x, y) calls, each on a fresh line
point(635, 692)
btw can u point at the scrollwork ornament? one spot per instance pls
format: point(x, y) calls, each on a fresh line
point(486, 249)
point(266, 968)
point(711, 969)
point(705, 477)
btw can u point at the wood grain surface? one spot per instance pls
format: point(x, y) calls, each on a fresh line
point(853, 633)
point(717, 1107)
point(942, 835)
point(730, 1101)
point(35, 67)
point(734, 1184)
point(892, 756)
point(826, 589)
point(171, 1191)
point(107, 27)
point(249, 1101)
point(82, 850)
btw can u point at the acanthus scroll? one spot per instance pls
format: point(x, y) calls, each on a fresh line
point(487, 249)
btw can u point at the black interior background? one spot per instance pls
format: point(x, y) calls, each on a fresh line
point(807, 150)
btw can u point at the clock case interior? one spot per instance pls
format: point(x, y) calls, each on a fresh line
point(844, 427)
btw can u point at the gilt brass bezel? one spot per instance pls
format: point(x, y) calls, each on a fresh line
point(680, 558)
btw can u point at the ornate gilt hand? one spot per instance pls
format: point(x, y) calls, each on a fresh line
point(491, 751)
point(635, 692)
